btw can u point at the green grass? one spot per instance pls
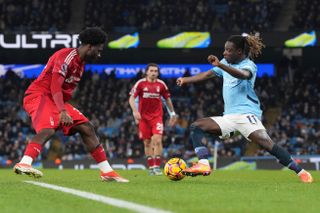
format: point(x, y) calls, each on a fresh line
point(223, 191)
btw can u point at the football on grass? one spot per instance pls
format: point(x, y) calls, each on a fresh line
point(173, 168)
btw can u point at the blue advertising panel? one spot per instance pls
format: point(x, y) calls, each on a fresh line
point(129, 70)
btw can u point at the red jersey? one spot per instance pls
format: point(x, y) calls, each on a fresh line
point(150, 93)
point(65, 62)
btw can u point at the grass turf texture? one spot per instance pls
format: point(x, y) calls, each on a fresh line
point(222, 191)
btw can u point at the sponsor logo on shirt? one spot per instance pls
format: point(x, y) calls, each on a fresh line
point(72, 79)
point(151, 95)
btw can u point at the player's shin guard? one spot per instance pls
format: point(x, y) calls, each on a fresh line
point(33, 150)
point(285, 158)
point(157, 161)
point(197, 134)
point(100, 157)
point(99, 154)
point(150, 162)
point(202, 152)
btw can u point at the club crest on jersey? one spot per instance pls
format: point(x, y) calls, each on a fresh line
point(64, 68)
point(145, 89)
point(158, 89)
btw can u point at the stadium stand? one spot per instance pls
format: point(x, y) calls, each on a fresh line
point(187, 15)
point(297, 127)
point(295, 94)
point(34, 15)
point(306, 16)
point(149, 15)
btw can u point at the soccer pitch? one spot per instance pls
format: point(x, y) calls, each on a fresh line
point(222, 191)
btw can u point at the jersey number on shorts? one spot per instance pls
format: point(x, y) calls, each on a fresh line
point(252, 119)
point(159, 127)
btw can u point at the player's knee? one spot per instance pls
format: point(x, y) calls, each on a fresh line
point(157, 142)
point(205, 125)
point(87, 129)
point(147, 143)
point(46, 134)
point(195, 126)
point(266, 143)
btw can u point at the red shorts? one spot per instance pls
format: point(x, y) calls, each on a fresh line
point(147, 128)
point(45, 114)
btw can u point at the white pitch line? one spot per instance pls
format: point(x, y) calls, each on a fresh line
point(103, 199)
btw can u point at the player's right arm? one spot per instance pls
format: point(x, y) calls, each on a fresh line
point(58, 76)
point(132, 102)
point(237, 73)
point(196, 78)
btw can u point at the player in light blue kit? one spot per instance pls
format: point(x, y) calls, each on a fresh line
point(242, 113)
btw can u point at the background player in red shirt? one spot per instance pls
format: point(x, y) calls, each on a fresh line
point(46, 101)
point(149, 114)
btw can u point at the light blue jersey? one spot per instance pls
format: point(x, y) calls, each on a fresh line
point(238, 94)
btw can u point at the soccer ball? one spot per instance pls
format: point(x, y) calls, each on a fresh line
point(173, 168)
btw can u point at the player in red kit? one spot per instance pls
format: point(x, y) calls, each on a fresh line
point(46, 101)
point(149, 114)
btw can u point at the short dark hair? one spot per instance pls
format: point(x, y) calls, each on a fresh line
point(93, 36)
point(153, 65)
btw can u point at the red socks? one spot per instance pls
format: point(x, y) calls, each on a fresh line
point(99, 154)
point(157, 161)
point(33, 150)
point(153, 162)
point(150, 162)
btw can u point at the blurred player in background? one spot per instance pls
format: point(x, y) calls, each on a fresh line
point(242, 113)
point(46, 102)
point(149, 114)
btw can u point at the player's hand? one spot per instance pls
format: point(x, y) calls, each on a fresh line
point(173, 120)
point(65, 118)
point(213, 60)
point(180, 81)
point(137, 117)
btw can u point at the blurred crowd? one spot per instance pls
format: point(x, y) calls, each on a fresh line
point(141, 15)
point(182, 15)
point(306, 16)
point(34, 15)
point(298, 126)
point(246, 15)
point(104, 100)
point(150, 15)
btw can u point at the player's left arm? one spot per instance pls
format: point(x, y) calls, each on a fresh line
point(172, 113)
point(237, 73)
point(58, 77)
point(166, 95)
